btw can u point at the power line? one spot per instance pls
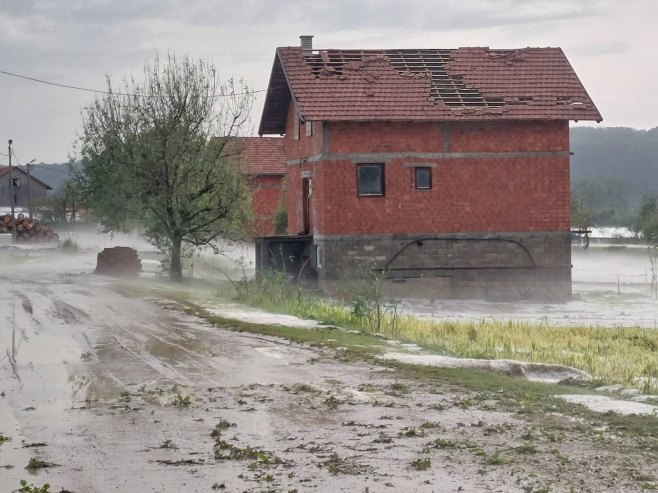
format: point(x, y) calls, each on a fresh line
point(15, 156)
point(98, 91)
point(66, 86)
point(60, 170)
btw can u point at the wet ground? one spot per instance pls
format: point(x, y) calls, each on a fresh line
point(119, 393)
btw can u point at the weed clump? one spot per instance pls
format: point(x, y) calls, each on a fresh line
point(224, 450)
point(422, 464)
point(222, 425)
point(337, 465)
point(31, 488)
point(70, 246)
point(227, 451)
point(181, 401)
point(37, 463)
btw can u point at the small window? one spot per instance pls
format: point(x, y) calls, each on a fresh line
point(17, 182)
point(423, 178)
point(309, 128)
point(370, 180)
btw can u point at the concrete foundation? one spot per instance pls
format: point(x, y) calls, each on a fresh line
point(534, 265)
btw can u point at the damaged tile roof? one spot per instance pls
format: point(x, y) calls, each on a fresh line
point(262, 155)
point(428, 84)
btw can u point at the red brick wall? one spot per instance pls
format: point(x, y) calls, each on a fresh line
point(266, 197)
point(304, 146)
point(484, 194)
point(461, 136)
point(467, 195)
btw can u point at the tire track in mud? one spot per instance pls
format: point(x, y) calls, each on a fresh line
point(27, 304)
point(20, 321)
point(69, 314)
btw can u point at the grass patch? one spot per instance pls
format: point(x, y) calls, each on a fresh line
point(628, 356)
point(496, 459)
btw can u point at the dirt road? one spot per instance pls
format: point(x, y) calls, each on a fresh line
point(124, 394)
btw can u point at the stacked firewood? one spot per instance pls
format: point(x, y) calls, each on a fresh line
point(27, 230)
point(118, 261)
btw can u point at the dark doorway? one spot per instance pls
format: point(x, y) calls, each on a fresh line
point(306, 205)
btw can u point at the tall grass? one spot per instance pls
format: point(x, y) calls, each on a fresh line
point(628, 356)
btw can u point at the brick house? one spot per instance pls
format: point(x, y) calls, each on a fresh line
point(264, 162)
point(22, 191)
point(450, 166)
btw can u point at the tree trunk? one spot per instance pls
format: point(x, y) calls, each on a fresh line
point(175, 267)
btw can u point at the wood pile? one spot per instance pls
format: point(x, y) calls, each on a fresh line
point(118, 261)
point(27, 230)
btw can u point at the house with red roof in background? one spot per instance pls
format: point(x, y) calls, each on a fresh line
point(448, 167)
point(26, 188)
point(264, 162)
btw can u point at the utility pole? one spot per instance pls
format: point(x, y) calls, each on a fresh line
point(11, 192)
point(29, 185)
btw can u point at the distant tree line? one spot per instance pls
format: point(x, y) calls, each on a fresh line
point(614, 175)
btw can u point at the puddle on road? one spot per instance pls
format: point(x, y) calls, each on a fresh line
point(603, 404)
point(538, 372)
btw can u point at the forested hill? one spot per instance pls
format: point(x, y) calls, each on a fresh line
point(622, 153)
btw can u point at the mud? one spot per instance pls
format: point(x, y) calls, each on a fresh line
point(126, 394)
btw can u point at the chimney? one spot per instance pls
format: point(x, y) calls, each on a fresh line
point(306, 44)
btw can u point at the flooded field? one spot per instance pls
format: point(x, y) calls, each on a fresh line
point(611, 288)
point(113, 392)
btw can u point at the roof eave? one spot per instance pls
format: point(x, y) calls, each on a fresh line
point(269, 107)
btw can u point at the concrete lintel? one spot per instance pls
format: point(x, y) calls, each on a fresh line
point(411, 236)
point(378, 157)
point(419, 165)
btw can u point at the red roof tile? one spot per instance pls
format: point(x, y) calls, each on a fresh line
point(436, 85)
point(262, 155)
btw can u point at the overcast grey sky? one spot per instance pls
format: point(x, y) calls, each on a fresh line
point(610, 43)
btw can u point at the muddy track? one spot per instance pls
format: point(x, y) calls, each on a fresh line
point(128, 395)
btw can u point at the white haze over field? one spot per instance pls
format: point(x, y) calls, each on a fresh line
point(611, 285)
